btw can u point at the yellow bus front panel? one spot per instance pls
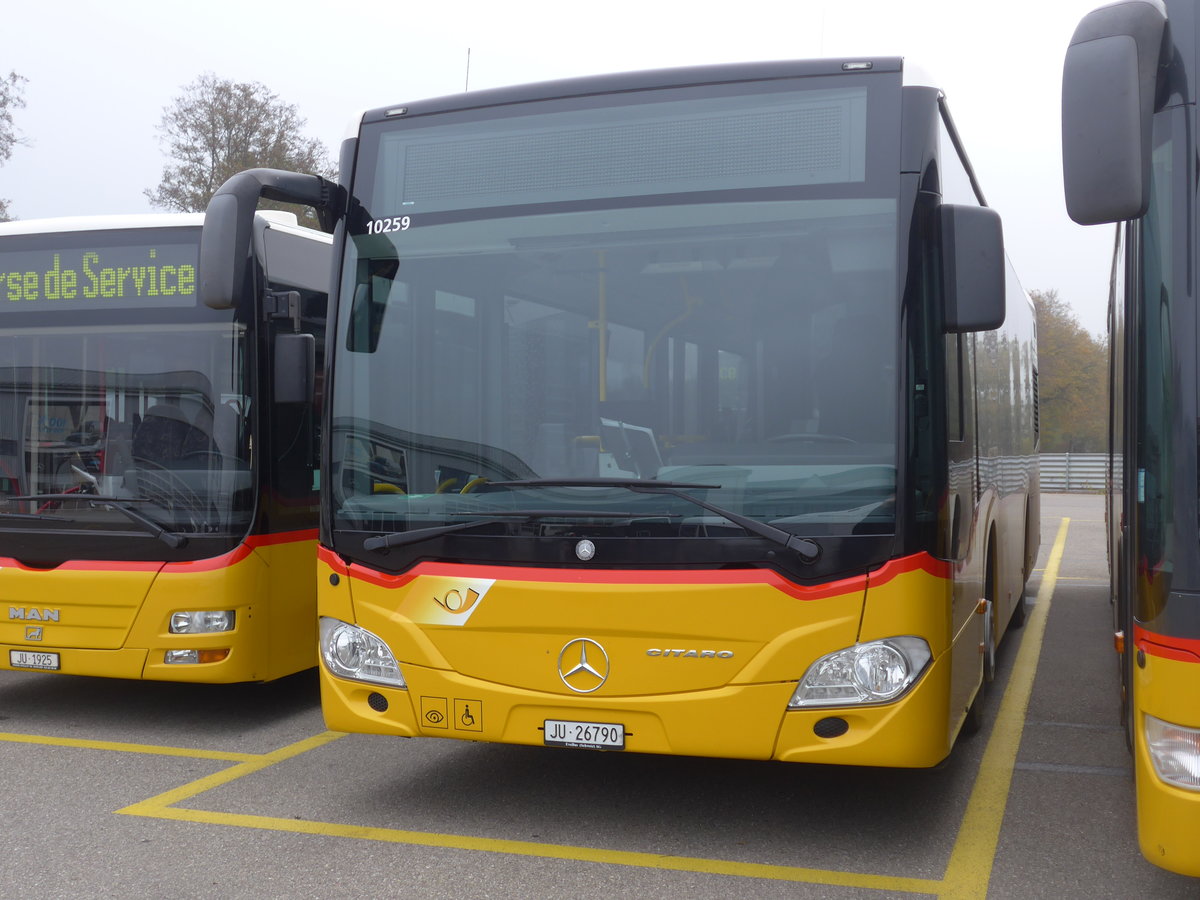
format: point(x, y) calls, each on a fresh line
point(113, 619)
point(689, 663)
point(1168, 815)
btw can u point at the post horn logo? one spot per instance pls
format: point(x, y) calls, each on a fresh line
point(583, 665)
point(455, 602)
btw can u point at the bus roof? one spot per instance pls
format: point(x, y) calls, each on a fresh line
point(620, 82)
point(275, 219)
point(100, 223)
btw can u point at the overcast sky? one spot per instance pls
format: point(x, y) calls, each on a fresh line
point(100, 75)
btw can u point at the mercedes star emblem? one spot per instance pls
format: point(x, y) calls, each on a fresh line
point(583, 665)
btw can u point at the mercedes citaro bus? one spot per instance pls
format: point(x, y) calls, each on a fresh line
point(158, 501)
point(683, 412)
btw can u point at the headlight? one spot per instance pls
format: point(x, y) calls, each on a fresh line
point(875, 672)
point(1175, 751)
point(352, 652)
point(202, 621)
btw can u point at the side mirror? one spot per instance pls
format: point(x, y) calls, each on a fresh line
point(295, 368)
point(229, 221)
point(1108, 91)
point(972, 268)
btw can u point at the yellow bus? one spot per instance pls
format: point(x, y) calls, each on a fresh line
point(158, 505)
point(681, 412)
point(1129, 144)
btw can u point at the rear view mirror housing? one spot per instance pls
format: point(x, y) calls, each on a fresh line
point(229, 221)
point(1108, 95)
point(973, 268)
point(295, 367)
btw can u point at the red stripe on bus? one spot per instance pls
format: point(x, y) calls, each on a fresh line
point(331, 559)
point(1160, 645)
point(282, 537)
point(242, 550)
point(918, 562)
point(856, 584)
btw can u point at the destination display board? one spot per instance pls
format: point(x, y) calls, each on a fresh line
point(97, 275)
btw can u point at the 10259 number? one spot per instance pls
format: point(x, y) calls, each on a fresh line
point(392, 223)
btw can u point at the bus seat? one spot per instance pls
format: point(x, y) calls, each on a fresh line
point(166, 436)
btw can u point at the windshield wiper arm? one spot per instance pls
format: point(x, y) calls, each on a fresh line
point(37, 498)
point(37, 517)
point(808, 550)
point(416, 535)
point(170, 538)
point(497, 517)
point(118, 504)
point(77, 497)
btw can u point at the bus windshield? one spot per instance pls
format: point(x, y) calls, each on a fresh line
point(700, 298)
point(121, 413)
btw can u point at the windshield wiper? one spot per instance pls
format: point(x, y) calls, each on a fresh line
point(172, 539)
point(807, 549)
point(117, 504)
point(34, 516)
point(497, 517)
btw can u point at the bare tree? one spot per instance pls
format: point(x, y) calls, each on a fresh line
point(12, 96)
point(217, 128)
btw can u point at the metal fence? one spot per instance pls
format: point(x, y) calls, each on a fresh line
point(1080, 473)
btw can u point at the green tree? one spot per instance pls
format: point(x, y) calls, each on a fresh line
point(216, 128)
point(1072, 379)
point(12, 96)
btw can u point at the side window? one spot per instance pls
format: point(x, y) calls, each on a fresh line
point(954, 538)
point(954, 410)
point(955, 179)
point(294, 439)
point(1156, 375)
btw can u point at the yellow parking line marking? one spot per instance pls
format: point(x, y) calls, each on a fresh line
point(163, 806)
point(970, 867)
point(553, 851)
point(967, 875)
point(121, 747)
point(247, 766)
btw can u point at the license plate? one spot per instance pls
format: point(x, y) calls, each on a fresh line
point(30, 659)
point(589, 735)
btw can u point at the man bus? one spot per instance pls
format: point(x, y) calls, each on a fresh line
point(684, 412)
point(158, 508)
point(1129, 141)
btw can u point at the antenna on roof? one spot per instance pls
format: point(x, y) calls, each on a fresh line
point(467, 84)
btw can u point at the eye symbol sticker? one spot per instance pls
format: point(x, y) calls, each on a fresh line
point(455, 602)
